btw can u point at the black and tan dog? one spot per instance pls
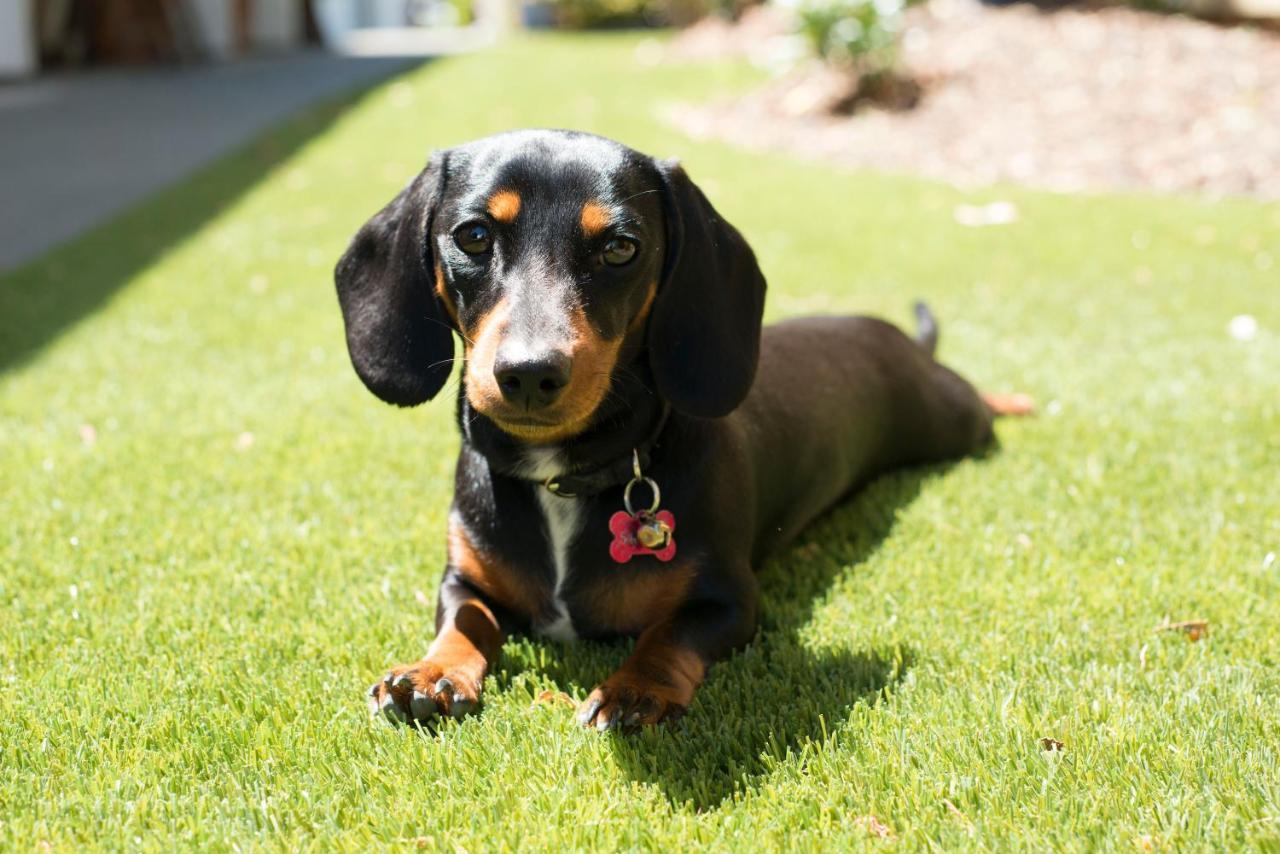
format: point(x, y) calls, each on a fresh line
point(611, 329)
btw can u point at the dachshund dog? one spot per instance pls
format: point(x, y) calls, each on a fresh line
point(633, 442)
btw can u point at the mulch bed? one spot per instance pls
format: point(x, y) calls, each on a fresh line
point(1067, 99)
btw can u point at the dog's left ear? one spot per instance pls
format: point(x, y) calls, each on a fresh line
point(704, 333)
point(398, 333)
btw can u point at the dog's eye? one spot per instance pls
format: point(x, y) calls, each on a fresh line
point(619, 251)
point(473, 238)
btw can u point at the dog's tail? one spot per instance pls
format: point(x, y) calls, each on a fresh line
point(999, 404)
point(926, 328)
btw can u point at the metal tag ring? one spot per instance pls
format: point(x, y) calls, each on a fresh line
point(626, 494)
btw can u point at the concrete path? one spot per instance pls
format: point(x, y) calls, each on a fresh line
point(76, 148)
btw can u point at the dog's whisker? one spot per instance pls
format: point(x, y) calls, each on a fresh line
point(450, 327)
point(641, 193)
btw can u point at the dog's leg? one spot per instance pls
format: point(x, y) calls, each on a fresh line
point(657, 681)
point(448, 680)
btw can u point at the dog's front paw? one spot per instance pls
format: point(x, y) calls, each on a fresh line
point(417, 693)
point(627, 701)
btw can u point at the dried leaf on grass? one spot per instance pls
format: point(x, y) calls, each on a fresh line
point(1013, 403)
point(554, 698)
point(1193, 629)
point(874, 826)
point(959, 816)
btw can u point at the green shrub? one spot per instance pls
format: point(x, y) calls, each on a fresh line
point(592, 14)
point(465, 10)
point(1170, 6)
point(862, 33)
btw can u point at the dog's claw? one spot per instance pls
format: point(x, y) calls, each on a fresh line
point(627, 706)
point(420, 693)
point(611, 722)
point(589, 711)
point(647, 708)
point(391, 711)
point(422, 706)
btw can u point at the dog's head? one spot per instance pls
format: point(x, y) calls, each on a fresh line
point(545, 251)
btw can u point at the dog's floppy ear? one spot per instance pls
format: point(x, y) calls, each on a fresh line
point(704, 333)
point(398, 333)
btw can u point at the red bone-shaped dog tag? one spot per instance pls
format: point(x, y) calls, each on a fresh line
point(630, 529)
point(644, 532)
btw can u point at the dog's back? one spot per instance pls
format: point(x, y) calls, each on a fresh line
point(838, 400)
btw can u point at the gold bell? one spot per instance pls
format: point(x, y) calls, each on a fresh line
point(653, 534)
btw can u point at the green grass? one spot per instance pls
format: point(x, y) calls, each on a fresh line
point(189, 620)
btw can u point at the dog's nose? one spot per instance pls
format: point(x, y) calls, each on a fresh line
point(532, 381)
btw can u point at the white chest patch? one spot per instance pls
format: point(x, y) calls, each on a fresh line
point(562, 518)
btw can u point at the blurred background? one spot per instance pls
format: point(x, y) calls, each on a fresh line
point(105, 101)
point(212, 537)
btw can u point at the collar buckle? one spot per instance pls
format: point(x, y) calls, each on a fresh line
point(616, 473)
point(552, 485)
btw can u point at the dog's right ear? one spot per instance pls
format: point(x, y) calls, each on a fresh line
point(398, 333)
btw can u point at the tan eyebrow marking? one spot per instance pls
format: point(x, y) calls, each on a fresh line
point(595, 219)
point(504, 205)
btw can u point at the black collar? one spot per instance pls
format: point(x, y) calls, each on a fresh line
point(594, 480)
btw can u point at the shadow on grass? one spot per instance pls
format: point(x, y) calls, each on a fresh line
point(42, 299)
point(782, 697)
point(766, 707)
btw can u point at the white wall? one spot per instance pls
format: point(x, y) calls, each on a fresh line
point(17, 38)
point(217, 27)
point(276, 24)
point(273, 24)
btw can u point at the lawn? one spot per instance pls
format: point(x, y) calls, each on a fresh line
point(214, 538)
